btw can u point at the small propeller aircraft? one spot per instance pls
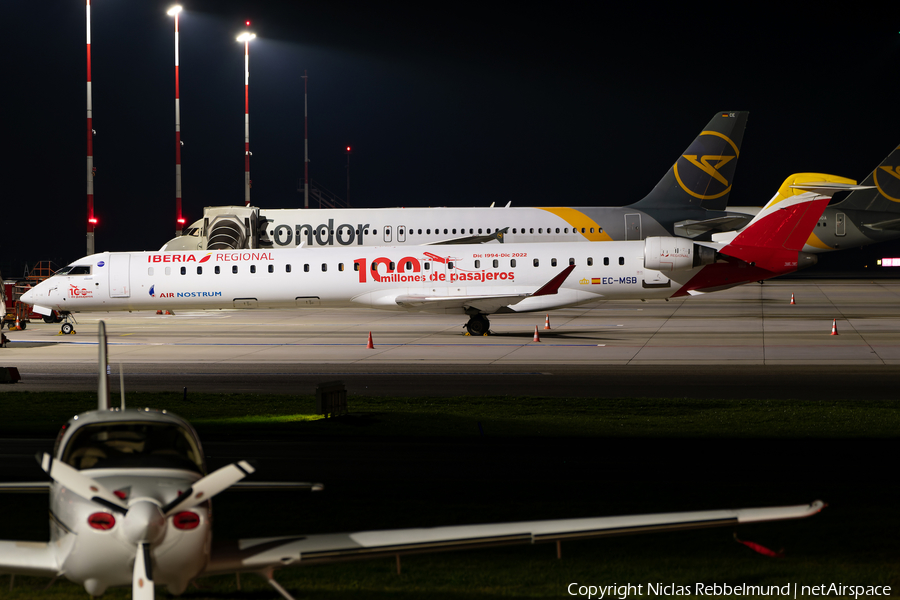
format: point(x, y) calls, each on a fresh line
point(130, 503)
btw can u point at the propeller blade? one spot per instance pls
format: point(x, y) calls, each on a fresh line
point(81, 484)
point(209, 486)
point(142, 578)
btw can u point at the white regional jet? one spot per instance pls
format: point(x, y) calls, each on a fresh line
point(475, 280)
point(130, 504)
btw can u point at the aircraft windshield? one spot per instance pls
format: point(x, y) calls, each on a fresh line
point(133, 445)
point(75, 270)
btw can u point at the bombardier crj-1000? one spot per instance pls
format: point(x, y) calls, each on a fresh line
point(130, 503)
point(475, 280)
point(689, 201)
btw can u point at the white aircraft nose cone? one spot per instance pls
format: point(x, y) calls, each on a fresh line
point(144, 523)
point(28, 297)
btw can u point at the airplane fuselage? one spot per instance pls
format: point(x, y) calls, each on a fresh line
point(381, 277)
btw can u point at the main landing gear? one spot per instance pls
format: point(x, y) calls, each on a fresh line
point(67, 327)
point(478, 325)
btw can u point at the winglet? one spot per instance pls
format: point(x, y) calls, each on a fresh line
point(552, 286)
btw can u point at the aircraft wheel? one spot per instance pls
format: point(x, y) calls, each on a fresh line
point(478, 325)
point(49, 319)
point(67, 328)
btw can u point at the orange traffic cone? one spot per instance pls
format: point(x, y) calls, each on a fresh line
point(370, 345)
point(159, 312)
point(547, 322)
point(17, 323)
point(834, 327)
point(792, 299)
point(169, 312)
point(537, 338)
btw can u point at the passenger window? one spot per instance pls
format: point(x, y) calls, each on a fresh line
point(306, 268)
point(592, 230)
point(445, 231)
point(340, 266)
point(531, 230)
point(150, 271)
point(605, 261)
point(184, 270)
point(408, 266)
point(450, 265)
point(428, 231)
point(571, 261)
point(582, 230)
point(253, 268)
point(218, 270)
point(324, 267)
point(199, 270)
point(566, 230)
point(477, 264)
point(427, 266)
point(512, 263)
point(590, 261)
point(168, 270)
point(287, 268)
point(557, 230)
point(393, 266)
point(621, 260)
point(356, 266)
point(479, 230)
point(454, 231)
point(271, 268)
point(496, 263)
point(552, 262)
point(540, 230)
point(234, 269)
point(536, 262)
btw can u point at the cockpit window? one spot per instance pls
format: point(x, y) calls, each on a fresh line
point(193, 231)
point(133, 445)
point(75, 270)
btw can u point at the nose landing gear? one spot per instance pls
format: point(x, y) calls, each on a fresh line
point(67, 326)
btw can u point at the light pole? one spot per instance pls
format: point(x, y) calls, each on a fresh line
point(91, 219)
point(305, 146)
point(348, 175)
point(246, 37)
point(179, 219)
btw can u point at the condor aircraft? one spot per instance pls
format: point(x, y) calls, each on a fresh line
point(476, 280)
point(870, 213)
point(130, 505)
point(689, 201)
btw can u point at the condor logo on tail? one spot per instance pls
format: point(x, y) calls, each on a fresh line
point(887, 179)
point(705, 170)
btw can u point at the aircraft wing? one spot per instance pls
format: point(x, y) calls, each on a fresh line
point(28, 558)
point(473, 239)
point(262, 553)
point(486, 303)
point(26, 487)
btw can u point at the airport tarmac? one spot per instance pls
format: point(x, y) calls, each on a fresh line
point(745, 342)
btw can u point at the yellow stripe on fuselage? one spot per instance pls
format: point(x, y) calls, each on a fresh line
point(579, 221)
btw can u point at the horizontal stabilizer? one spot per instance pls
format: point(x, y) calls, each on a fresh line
point(29, 487)
point(277, 485)
point(891, 225)
point(694, 228)
point(827, 188)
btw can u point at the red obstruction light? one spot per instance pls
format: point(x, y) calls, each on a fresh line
point(186, 520)
point(247, 23)
point(92, 220)
point(181, 221)
point(102, 521)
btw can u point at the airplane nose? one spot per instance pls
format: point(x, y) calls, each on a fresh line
point(144, 522)
point(28, 297)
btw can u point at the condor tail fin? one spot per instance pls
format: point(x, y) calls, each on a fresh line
point(703, 174)
point(882, 193)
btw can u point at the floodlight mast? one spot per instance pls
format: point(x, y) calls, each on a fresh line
point(179, 219)
point(305, 145)
point(246, 37)
point(91, 220)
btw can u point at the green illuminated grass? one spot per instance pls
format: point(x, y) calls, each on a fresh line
point(27, 414)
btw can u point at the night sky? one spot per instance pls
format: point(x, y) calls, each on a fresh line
point(443, 104)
